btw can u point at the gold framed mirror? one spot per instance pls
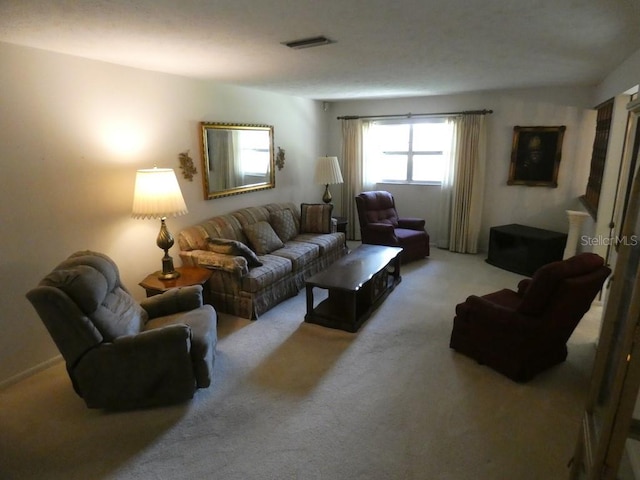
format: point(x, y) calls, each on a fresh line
point(236, 158)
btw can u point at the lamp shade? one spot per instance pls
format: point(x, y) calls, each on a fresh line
point(157, 194)
point(328, 171)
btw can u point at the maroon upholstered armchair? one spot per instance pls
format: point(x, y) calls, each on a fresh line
point(380, 224)
point(522, 333)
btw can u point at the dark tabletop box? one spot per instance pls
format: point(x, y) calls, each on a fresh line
point(522, 249)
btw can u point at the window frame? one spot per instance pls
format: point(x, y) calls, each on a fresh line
point(411, 153)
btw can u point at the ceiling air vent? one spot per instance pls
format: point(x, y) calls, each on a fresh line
point(308, 42)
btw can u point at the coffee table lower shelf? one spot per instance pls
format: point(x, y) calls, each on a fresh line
point(348, 307)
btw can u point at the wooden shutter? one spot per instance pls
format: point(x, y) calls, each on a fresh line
point(591, 198)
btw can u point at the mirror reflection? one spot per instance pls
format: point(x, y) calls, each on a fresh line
point(236, 158)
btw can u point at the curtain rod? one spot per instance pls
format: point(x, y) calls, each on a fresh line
point(414, 115)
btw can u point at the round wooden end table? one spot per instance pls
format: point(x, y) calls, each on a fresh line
point(188, 276)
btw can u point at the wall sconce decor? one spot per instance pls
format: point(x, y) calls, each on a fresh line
point(157, 195)
point(187, 166)
point(280, 158)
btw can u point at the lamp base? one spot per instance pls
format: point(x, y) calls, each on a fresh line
point(168, 276)
point(165, 242)
point(168, 272)
point(326, 198)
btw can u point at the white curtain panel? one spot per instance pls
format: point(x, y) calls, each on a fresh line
point(446, 190)
point(352, 156)
point(463, 187)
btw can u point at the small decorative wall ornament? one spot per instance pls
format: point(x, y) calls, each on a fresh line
point(280, 158)
point(186, 165)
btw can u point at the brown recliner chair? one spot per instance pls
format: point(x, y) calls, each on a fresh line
point(120, 354)
point(522, 333)
point(380, 224)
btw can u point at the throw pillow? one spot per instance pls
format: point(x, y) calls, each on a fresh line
point(315, 217)
point(283, 223)
point(235, 248)
point(262, 237)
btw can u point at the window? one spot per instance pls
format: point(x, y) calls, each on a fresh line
point(254, 152)
point(411, 151)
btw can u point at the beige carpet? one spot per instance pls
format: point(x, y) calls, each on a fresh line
point(297, 401)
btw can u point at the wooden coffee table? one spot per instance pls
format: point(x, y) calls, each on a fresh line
point(357, 284)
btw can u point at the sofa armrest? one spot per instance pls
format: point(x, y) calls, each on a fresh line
point(173, 301)
point(379, 234)
point(411, 223)
point(380, 227)
point(236, 265)
point(151, 368)
point(489, 315)
point(523, 285)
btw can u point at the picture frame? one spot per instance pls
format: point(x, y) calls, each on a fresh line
point(535, 156)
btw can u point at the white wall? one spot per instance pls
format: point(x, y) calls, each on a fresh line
point(72, 134)
point(74, 131)
point(536, 206)
point(625, 77)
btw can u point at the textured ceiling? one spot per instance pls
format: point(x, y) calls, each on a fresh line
point(384, 48)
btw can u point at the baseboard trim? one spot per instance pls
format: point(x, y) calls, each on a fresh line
point(31, 371)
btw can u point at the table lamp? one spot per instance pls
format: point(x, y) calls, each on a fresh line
point(328, 172)
point(157, 195)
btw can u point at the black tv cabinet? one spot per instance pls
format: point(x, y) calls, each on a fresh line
point(522, 249)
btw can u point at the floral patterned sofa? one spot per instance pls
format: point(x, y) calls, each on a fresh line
point(262, 255)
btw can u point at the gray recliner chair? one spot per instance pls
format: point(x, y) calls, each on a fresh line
point(120, 354)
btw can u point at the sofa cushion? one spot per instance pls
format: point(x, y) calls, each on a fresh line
point(202, 323)
point(235, 248)
point(379, 207)
point(113, 313)
point(222, 226)
point(315, 217)
point(327, 242)
point(91, 281)
point(250, 215)
point(284, 224)
point(262, 238)
point(119, 315)
point(237, 265)
point(272, 270)
point(409, 238)
point(83, 284)
point(299, 253)
point(547, 277)
point(294, 208)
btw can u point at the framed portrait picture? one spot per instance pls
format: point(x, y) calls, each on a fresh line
point(535, 156)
